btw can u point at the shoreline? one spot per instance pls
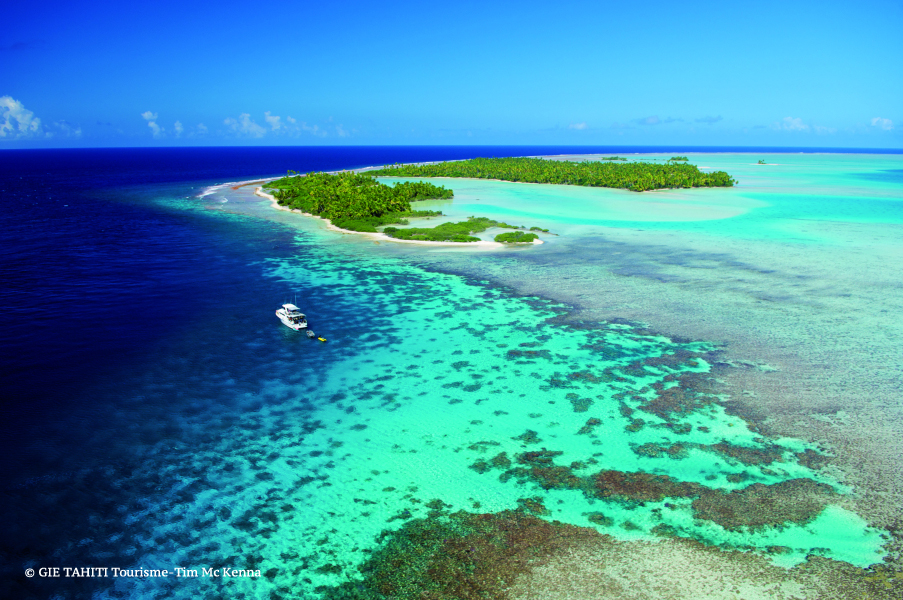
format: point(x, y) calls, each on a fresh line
point(382, 237)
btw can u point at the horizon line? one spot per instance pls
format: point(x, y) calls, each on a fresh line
point(662, 147)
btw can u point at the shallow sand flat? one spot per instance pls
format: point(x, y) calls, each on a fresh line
point(809, 306)
point(608, 569)
point(563, 206)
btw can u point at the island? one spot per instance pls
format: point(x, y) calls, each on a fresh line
point(358, 203)
point(635, 176)
point(352, 201)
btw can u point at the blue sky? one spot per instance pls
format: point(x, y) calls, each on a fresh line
point(818, 74)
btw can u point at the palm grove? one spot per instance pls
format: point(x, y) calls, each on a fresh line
point(357, 202)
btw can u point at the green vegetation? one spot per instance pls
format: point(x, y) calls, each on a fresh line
point(359, 203)
point(516, 237)
point(369, 224)
point(461, 232)
point(354, 202)
point(612, 158)
point(673, 158)
point(762, 162)
point(635, 176)
point(446, 232)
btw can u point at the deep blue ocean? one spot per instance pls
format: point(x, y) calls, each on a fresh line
point(106, 291)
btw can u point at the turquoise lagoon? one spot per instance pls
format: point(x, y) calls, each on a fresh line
point(773, 304)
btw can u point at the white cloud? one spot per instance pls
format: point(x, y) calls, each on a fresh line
point(885, 124)
point(151, 119)
point(66, 129)
point(791, 124)
point(202, 129)
point(577, 126)
point(709, 120)
point(654, 120)
point(272, 120)
point(312, 129)
point(17, 122)
point(295, 127)
point(245, 125)
point(820, 129)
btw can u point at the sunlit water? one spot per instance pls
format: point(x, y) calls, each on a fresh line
point(268, 451)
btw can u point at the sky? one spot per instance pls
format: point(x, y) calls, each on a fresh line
point(760, 73)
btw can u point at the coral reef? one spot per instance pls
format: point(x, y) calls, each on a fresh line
point(460, 556)
point(642, 487)
point(759, 505)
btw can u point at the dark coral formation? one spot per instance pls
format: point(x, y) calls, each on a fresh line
point(591, 424)
point(579, 404)
point(528, 437)
point(540, 468)
point(766, 455)
point(501, 461)
point(812, 459)
point(681, 399)
point(755, 506)
point(674, 360)
point(461, 556)
point(585, 376)
point(534, 505)
point(529, 354)
point(642, 487)
point(654, 450)
point(759, 505)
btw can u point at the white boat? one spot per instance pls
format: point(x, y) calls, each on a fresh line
point(292, 317)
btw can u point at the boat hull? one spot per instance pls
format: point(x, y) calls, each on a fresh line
point(288, 322)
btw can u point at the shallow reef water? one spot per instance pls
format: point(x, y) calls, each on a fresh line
point(442, 394)
point(480, 423)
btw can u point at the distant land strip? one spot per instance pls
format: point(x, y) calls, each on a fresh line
point(634, 176)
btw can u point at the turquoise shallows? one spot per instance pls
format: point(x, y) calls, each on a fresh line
point(437, 372)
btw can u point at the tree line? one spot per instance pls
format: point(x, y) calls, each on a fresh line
point(635, 176)
point(353, 201)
